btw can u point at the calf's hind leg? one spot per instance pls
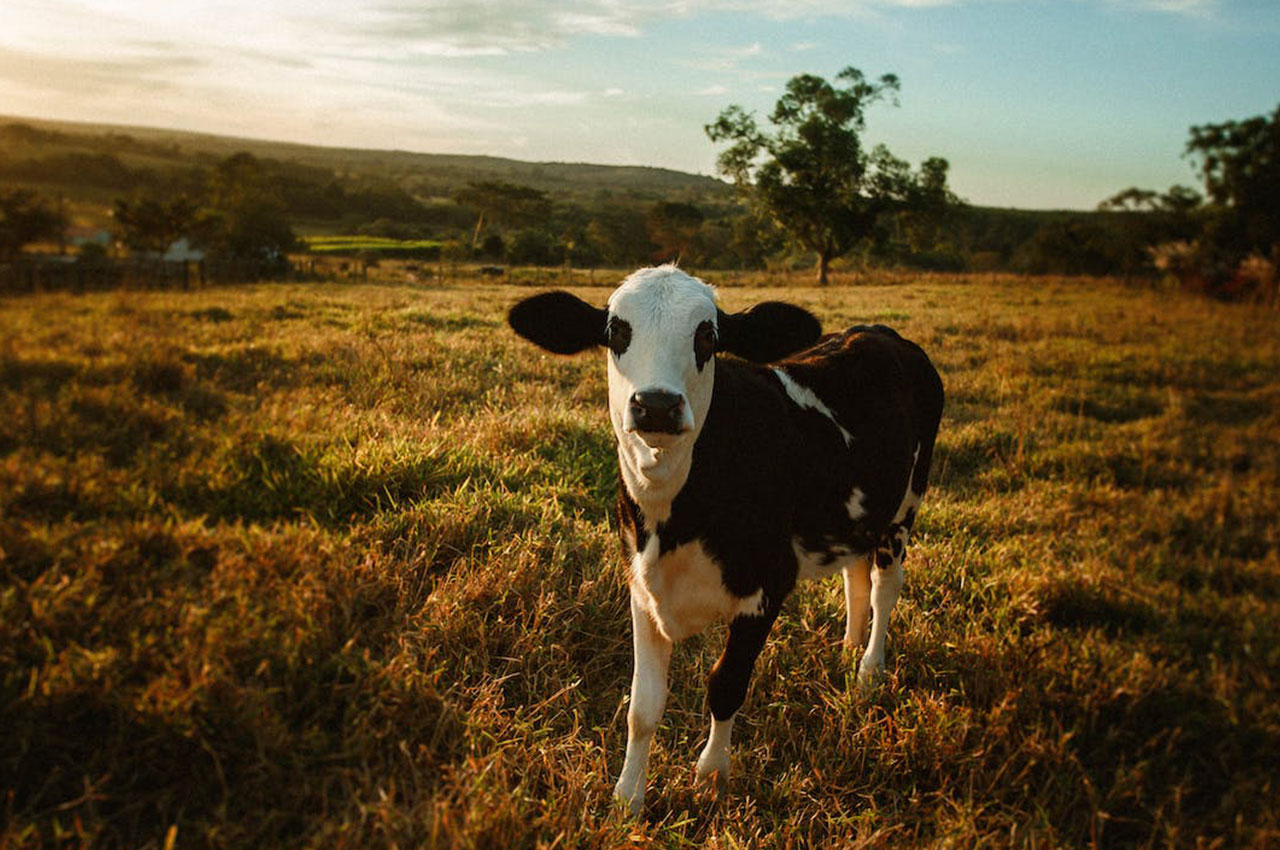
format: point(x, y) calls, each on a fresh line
point(857, 601)
point(886, 586)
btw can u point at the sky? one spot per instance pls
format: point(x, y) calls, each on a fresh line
point(1036, 104)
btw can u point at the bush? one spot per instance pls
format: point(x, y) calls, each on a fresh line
point(534, 248)
point(1256, 278)
point(93, 254)
point(493, 247)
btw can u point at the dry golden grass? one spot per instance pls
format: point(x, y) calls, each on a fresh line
point(329, 566)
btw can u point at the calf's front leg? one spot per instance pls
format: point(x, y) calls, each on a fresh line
point(727, 689)
point(648, 699)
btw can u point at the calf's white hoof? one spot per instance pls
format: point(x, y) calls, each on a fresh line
point(629, 797)
point(869, 675)
point(714, 766)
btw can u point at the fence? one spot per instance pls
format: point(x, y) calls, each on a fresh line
point(27, 276)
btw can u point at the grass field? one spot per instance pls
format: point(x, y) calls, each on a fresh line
point(329, 566)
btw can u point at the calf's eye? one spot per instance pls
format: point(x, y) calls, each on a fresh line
point(704, 344)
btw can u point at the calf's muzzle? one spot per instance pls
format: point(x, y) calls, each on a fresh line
point(658, 411)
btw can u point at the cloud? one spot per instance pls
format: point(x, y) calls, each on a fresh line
point(712, 91)
point(724, 58)
point(1190, 8)
point(588, 23)
point(99, 76)
point(786, 10)
point(507, 98)
point(1194, 9)
point(505, 26)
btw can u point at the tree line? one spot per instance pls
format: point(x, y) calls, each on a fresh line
point(233, 211)
point(806, 189)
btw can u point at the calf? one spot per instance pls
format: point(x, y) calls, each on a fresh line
point(738, 478)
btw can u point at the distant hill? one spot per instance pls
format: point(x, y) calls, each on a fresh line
point(437, 174)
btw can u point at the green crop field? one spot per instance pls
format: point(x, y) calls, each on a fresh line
point(369, 244)
point(333, 566)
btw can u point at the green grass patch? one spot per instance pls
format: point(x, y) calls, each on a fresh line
point(377, 246)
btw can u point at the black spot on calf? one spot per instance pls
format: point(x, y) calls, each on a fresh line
point(618, 333)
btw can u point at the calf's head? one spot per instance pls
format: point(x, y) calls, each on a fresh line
point(662, 330)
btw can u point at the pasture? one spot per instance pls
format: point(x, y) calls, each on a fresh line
point(333, 566)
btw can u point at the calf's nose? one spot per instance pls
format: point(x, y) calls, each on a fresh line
point(658, 411)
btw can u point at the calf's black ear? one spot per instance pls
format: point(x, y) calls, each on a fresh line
point(559, 322)
point(768, 331)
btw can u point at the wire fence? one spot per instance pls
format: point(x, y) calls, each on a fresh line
point(44, 275)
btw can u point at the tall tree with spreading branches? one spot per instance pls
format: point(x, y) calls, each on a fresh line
point(813, 175)
point(504, 203)
point(1240, 164)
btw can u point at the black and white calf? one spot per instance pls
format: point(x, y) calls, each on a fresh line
point(737, 478)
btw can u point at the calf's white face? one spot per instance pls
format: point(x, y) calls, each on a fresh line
point(661, 336)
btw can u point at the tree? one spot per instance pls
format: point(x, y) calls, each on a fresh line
point(921, 220)
point(25, 218)
point(255, 229)
point(617, 234)
point(504, 203)
point(756, 239)
point(1240, 164)
point(812, 174)
point(244, 216)
point(148, 224)
point(533, 247)
point(1179, 200)
point(672, 226)
point(1147, 218)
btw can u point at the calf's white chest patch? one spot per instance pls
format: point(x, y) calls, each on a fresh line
point(683, 590)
